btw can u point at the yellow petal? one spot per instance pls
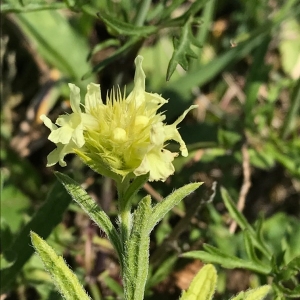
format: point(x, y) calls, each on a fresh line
point(92, 97)
point(74, 98)
point(48, 122)
point(159, 163)
point(78, 137)
point(157, 134)
point(171, 132)
point(58, 154)
point(61, 135)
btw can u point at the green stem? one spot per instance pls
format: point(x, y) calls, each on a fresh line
point(124, 211)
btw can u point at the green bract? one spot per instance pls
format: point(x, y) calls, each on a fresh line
point(126, 135)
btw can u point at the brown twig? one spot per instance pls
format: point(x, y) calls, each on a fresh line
point(245, 186)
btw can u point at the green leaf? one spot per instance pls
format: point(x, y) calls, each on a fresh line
point(214, 255)
point(102, 46)
point(14, 203)
point(291, 293)
point(249, 246)
point(182, 49)
point(290, 270)
point(257, 75)
point(64, 279)
point(289, 47)
point(253, 294)
point(207, 72)
point(92, 209)
point(30, 7)
point(163, 207)
point(112, 284)
point(127, 47)
point(43, 222)
point(137, 252)
point(203, 285)
point(7, 259)
point(234, 213)
point(242, 222)
point(162, 272)
point(290, 121)
point(117, 27)
point(40, 27)
point(135, 186)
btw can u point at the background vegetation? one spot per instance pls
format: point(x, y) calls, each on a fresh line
point(242, 67)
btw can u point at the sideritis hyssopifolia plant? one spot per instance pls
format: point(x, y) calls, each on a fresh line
point(123, 139)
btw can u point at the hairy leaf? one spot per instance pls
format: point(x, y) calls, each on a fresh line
point(203, 285)
point(64, 279)
point(163, 207)
point(92, 209)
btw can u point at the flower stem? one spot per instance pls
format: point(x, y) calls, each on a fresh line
point(124, 211)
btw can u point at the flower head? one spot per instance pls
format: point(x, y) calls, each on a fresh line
point(126, 135)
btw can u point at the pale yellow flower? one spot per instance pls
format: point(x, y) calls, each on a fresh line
point(126, 135)
point(69, 135)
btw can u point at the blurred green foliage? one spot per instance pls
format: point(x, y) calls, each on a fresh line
point(245, 79)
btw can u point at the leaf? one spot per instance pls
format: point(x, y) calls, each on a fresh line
point(290, 270)
point(128, 46)
point(234, 213)
point(203, 285)
point(289, 47)
point(290, 121)
point(257, 75)
point(214, 255)
point(135, 186)
point(207, 72)
point(253, 294)
point(242, 222)
point(92, 209)
point(162, 272)
point(291, 293)
point(13, 205)
point(103, 45)
point(30, 7)
point(163, 207)
point(137, 252)
point(64, 279)
point(40, 27)
point(182, 49)
point(112, 284)
point(250, 247)
point(117, 27)
point(43, 222)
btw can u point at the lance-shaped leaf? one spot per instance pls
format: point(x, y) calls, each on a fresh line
point(137, 252)
point(182, 49)
point(250, 247)
point(92, 209)
point(64, 279)
point(203, 285)
point(253, 294)
point(117, 27)
point(214, 255)
point(242, 222)
point(135, 186)
point(163, 207)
